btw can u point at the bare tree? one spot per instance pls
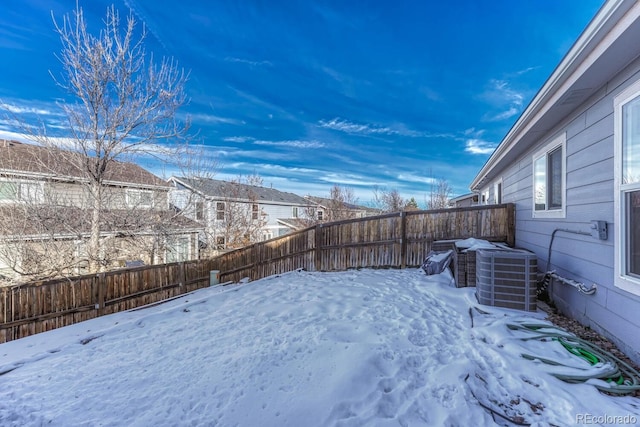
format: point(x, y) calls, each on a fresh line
point(341, 203)
point(439, 195)
point(244, 220)
point(388, 200)
point(30, 243)
point(45, 218)
point(125, 105)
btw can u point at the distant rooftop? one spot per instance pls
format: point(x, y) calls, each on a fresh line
point(225, 189)
point(323, 201)
point(18, 158)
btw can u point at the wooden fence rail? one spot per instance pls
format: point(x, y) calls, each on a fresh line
point(396, 240)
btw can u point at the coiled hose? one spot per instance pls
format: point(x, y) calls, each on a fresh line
point(619, 377)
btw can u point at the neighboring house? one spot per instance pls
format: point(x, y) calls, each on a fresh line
point(571, 165)
point(464, 201)
point(45, 215)
point(324, 209)
point(237, 214)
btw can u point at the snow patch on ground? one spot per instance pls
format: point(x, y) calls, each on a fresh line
point(367, 347)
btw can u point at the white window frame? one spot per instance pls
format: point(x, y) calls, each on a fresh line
point(497, 192)
point(200, 206)
point(294, 212)
point(136, 201)
point(16, 185)
point(558, 142)
point(621, 279)
point(33, 194)
point(178, 249)
point(221, 208)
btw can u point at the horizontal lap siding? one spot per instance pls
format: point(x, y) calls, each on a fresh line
point(589, 196)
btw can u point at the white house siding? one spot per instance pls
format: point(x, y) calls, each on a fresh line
point(274, 212)
point(589, 196)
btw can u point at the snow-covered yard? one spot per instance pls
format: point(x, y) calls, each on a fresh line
point(368, 347)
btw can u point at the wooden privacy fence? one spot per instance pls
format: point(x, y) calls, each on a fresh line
point(395, 240)
point(41, 306)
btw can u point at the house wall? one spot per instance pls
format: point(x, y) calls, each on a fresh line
point(61, 193)
point(66, 256)
point(279, 211)
point(589, 196)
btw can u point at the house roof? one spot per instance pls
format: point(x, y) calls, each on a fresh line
point(463, 197)
point(607, 45)
point(295, 223)
point(34, 161)
point(242, 192)
point(325, 202)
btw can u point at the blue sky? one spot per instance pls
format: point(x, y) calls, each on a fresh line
point(308, 93)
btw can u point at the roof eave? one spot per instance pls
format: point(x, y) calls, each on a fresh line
point(613, 18)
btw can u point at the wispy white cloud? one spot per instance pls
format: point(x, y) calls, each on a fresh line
point(502, 95)
point(478, 146)
point(17, 109)
point(503, 88)
point(210, 118)
point(239, 139)
point(416, 178)
point(292, 143)
point(13, 136)
point(271, 169)
point(473, 133)
point(352, 128)
point(348, 179)
point(505, 114)
point(525, 71)
point(248, 61)
point(355, 128)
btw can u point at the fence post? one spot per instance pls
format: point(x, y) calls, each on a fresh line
point(183, 278)
point(318, 254)
point(403, 239)
point(511, 224)
point(102, 284)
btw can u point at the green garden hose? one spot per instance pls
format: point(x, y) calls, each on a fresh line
point(620, 377)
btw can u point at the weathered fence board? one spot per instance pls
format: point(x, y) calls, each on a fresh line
point(387, 241)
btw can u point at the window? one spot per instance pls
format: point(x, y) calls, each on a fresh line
point(139, 198)
point(255, 211)
point(81, 256)
point(220, 211)
point(178, 249)
point(199, 210)
point(627, 189)
point(8, 191)
point(549, 180)
point(220, 242)
point(23, 191)
point(294, 212)
point(497, 192)
point(320, 215)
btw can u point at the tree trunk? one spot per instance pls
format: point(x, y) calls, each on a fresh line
point(94, 250)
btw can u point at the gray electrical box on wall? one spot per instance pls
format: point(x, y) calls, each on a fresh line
point(599, 229)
